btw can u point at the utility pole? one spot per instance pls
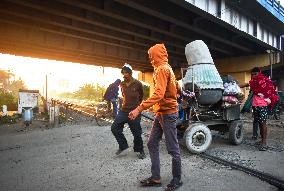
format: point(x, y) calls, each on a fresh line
point(46, 91)
point(102, 86)
point(46, 87)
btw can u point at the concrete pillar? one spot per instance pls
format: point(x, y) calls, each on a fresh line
point(56, 115)
point(51, 116)
point(281, 84)
point(147, 77)
point(240, 67)
point(5, 110)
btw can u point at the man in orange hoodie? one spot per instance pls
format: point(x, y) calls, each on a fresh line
point(164, 102)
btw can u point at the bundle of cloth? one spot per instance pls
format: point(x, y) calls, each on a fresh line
point(262, 85)
point(232, 94)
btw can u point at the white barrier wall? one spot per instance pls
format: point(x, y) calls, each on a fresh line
point(238, 20)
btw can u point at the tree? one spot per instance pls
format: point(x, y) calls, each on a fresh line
point(7, 98)
point(4, 78)
point(89, 92)
point(15, 86)
point(10, 90)
point(66, 95)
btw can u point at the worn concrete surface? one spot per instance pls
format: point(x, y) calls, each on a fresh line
point(81, 157)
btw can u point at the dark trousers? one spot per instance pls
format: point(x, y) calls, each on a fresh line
point(114, 106)
point(135, 127)
point(165, 124)
point(255, 128)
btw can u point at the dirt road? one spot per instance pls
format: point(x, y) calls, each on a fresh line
point(81, 157)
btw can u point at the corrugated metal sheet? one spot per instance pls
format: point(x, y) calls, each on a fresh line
point(201, 68)
point(205, 76)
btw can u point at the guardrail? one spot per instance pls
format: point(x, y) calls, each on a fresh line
point(276, 5)
point(86, 110)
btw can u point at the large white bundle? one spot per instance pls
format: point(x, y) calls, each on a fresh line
point(197, 52)
point(201, 67)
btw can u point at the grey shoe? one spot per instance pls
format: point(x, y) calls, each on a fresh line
point(120, 152)
point(263, 148)
point(141, 155)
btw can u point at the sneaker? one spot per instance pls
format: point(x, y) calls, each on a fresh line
point(141, 155)
point(254, 137)
point(263, 148)
point(121, 152)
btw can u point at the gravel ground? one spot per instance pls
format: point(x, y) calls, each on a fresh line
point(81, 157)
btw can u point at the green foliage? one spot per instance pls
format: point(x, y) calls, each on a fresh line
point(15, 86)
point(66, 95)
point(10, 90)
point(146, 91)
point(4, 78)
point(8, 119)
point(89, 92)
point(6, 98)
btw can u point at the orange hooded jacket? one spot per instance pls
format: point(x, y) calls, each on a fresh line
point(164, 98)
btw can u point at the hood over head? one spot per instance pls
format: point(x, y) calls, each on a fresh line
point(117, 82)
point(158, 55)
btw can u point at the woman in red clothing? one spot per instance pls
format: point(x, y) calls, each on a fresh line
point(264, 96)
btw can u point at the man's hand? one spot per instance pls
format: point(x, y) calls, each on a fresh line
point(268, 101)
point(133, 114)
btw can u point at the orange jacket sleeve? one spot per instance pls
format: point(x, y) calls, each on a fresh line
point(178, 88)
point(160, 84)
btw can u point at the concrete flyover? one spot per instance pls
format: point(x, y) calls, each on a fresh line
point(111, 32)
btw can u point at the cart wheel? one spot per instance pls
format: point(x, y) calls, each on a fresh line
point(103, 120)
point(197, 137)
point(236, 132)
point(27, 123)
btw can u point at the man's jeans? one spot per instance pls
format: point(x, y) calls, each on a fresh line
point(165, 123)
point(134, 126)
point(114, 106)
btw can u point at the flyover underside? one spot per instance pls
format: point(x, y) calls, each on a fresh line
point(111, 32)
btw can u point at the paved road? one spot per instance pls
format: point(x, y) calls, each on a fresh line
point(81, 157)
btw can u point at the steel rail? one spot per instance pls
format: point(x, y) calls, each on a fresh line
point(252, 144)
point(261, 175)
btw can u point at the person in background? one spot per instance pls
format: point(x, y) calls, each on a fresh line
point(264, 95)
point(111, 95)
point(164, 102)
point(132, 93)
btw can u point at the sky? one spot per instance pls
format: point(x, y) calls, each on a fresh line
point(61, 76)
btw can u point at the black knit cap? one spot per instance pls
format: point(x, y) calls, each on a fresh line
point(127, 68)
point(255, 70)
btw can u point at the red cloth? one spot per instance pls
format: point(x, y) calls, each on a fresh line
point(261, 84)
point(258, 101)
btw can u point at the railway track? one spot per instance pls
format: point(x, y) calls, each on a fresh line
point(261, 175)
point(253, 172)
point(89, 111)
point(252, 144)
